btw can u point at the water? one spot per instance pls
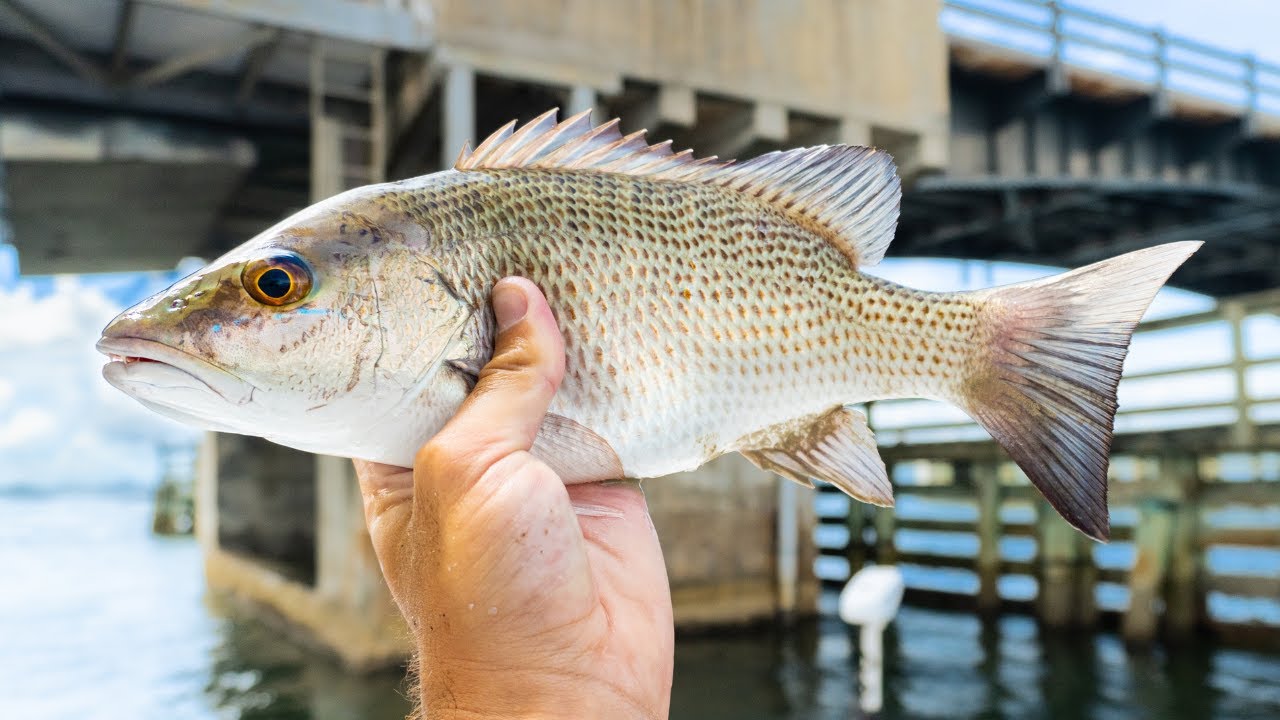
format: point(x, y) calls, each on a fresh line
point(99, 619)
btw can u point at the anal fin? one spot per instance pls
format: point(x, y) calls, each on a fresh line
point(835, 446)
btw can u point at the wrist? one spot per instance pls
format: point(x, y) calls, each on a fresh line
point(506, 694)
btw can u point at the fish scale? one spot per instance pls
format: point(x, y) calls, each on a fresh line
point(706, 307)
point(726, 345)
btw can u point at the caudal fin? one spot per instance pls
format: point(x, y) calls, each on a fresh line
point(1048, 393)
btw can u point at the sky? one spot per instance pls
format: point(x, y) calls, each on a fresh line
point(61, 424)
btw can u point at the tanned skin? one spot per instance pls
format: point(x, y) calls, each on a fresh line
point(525, 598)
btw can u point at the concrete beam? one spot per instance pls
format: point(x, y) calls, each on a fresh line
point(27, 73)
point(361, 22)
point(49, 40)
point(120, 46)
point(199, 57)
point(254, 65)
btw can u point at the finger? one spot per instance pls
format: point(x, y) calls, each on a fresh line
point(502, 414)
point(623, 547)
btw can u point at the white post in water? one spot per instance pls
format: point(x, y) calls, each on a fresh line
point(788, 544)
point(871, 600)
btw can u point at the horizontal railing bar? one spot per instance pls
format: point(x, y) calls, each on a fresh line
point(1237, 79)
point(1195, 46)
point(1079, 13)
point(1014, 21)
point(1252, 492)
point(1247, 585)
point(1253, 536)
point(1119, 576)
point(1110, 45)
point(965, 6)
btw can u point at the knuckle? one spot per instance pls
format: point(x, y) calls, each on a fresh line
point(434, 456)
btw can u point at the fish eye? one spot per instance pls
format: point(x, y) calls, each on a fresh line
point(281, 279)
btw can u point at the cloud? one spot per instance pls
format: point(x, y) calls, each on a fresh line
point(26, 426)
point(60, 422)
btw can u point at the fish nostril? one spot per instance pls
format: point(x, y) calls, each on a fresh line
point(178, 304)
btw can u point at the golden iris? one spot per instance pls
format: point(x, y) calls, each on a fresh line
point(281, 279)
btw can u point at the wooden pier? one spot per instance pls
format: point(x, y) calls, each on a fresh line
point(993, 537)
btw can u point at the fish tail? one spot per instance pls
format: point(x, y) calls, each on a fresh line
point(1046, 389)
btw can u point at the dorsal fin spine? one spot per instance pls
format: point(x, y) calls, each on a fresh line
point(850, 192)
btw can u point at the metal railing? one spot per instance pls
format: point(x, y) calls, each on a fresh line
point(1070, 36)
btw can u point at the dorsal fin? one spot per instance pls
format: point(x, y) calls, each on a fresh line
point(852, 192)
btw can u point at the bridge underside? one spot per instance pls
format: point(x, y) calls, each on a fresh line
point(1094, 167)
point(1060, 173)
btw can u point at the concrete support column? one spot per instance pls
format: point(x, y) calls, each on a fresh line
point(338, 505)
point(206, 492)
point(1152, 540)
point(885, 523)
point(788, 546)
point(582, 97)
point(1059, 550)
point(990, 496)
point(1184, 596)
point(459, 120)
point(6, 232)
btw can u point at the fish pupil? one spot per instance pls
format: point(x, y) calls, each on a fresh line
point(274, 283)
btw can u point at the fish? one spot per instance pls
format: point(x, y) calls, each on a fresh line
point(707, 306)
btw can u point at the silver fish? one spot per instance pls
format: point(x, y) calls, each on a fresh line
point(707, 307)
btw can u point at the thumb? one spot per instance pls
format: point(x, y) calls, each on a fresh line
point(502, 414)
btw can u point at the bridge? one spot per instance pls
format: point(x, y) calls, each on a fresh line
point(137, 132)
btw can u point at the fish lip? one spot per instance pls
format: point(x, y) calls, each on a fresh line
point(221, 382)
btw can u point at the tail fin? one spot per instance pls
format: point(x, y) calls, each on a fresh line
point(1048, 394)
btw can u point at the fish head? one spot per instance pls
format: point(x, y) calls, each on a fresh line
point(314, 331)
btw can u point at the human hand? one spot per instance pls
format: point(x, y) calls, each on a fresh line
point(526, 598)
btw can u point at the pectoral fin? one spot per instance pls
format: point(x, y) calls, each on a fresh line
point(836, 446)
point(575, 452)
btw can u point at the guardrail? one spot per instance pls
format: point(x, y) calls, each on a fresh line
point(1072, 36)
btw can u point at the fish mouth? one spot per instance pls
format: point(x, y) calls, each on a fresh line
point(146, 369)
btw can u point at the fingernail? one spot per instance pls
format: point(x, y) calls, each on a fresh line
point(509, 305)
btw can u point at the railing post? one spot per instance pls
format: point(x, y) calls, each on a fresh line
point(856, 551)
point(1251, 94)
point(1184, 600)
point(1057, 75)
point(990, 495)
point(1162, 73)
point(1244, 433)
point(886, 554)
point(1059, 551)
point(1152, 539)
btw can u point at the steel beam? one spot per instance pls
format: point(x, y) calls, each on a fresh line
point(361, 22)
